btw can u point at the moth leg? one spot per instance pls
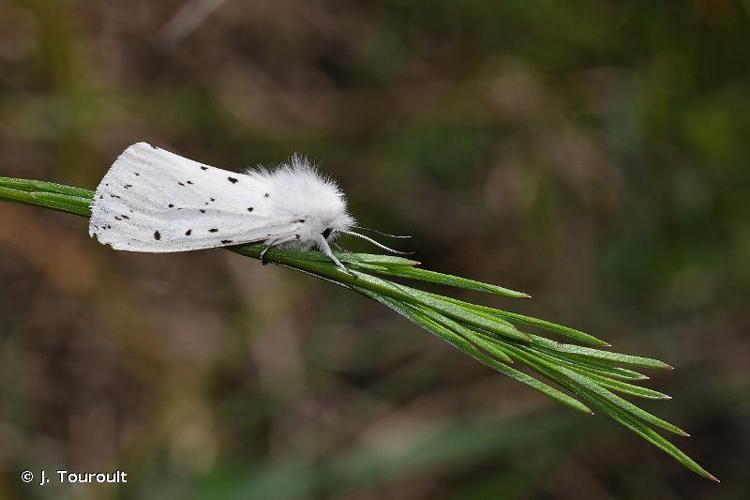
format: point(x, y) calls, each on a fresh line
point(271, 244)
point(323, 245)
point(263, 254)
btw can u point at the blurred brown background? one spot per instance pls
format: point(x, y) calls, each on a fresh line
point(594, 154)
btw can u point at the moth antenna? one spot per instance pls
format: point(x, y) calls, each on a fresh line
point(381, 233)
point(323, 244)
point(376, 243)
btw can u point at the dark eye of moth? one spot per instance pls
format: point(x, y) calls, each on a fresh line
point(326, 233)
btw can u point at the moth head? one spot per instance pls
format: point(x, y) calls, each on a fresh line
point(336, 225)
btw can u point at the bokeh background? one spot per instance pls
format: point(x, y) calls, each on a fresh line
point(594, 154)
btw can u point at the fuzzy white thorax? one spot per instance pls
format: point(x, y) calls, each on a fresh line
point(298, 192)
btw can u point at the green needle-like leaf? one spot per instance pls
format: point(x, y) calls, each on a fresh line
point(590, 366)
point(520, 318)
point(657, 440)
point(595, 354)
point(454, 281)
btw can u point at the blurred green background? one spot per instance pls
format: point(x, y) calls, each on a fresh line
point(594, 154)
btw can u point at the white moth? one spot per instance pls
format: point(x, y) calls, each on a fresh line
point(152, 200)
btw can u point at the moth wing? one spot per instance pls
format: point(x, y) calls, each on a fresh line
point(152, 200)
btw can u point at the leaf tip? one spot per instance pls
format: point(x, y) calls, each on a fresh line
point(526, 337)
point(680, 432)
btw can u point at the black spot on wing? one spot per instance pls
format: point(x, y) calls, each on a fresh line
point(202, 211)
point(181, 183)
point(170, 205)
point(249, 209)
point(226, 241)
point(204, 168)
point(157, 235)
point(233, 180)
point(188, 232)
point(213, 230)
point(266, 195)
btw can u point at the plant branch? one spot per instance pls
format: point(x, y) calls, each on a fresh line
point(491, 336)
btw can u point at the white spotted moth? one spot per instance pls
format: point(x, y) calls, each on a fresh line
point(152, 200)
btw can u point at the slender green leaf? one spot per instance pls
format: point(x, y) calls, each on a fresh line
point(547, 325)
point(611, 371)
point(603, 356)
point(447, 279)
point(553, 327)
point(657, 440)
point(458, 312)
